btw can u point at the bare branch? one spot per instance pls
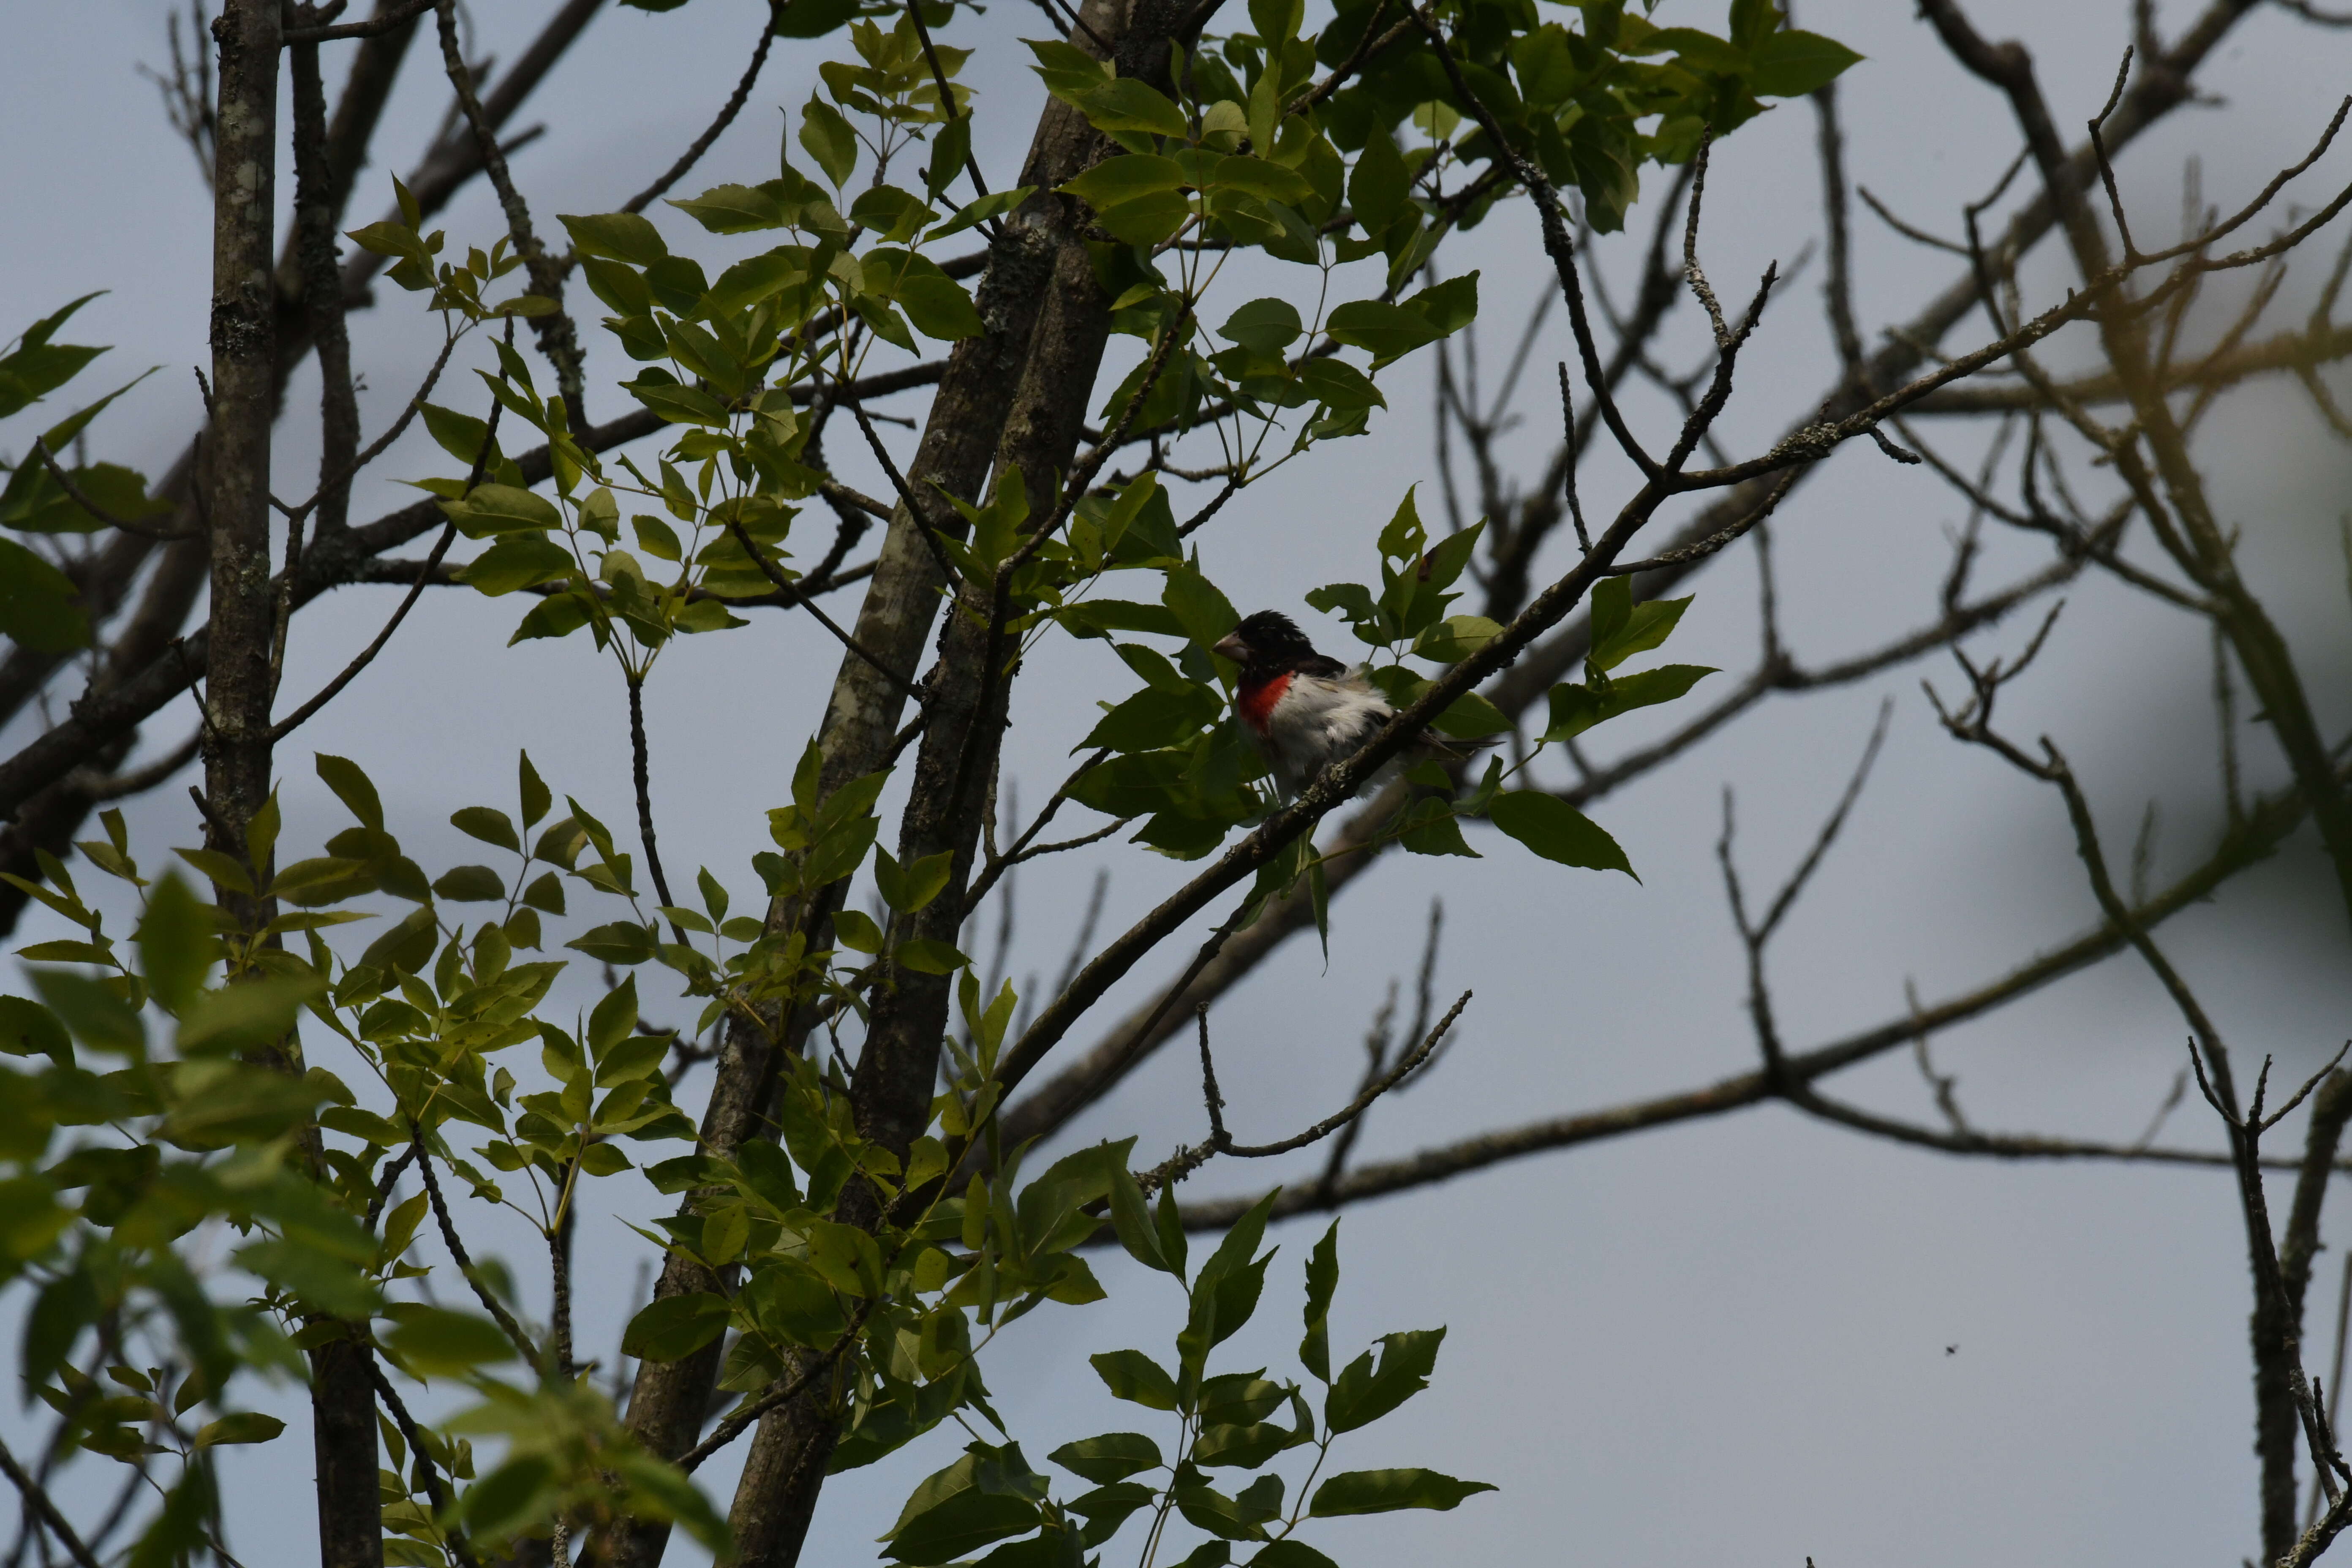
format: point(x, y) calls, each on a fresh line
point(726, 117)
point(383, 22)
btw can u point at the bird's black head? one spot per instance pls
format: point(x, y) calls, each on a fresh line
point(1266, 640)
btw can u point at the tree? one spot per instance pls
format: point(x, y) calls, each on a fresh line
point(852, 1202)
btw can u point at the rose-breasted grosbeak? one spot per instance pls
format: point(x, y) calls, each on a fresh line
point(1305, 710)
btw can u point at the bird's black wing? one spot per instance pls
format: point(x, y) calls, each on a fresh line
point(1321, 666)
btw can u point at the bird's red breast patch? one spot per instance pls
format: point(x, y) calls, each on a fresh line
point(1256, 702)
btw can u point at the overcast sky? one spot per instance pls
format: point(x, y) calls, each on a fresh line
point(1758, 1338)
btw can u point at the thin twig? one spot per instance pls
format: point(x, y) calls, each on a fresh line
point(733, 106)
point(350, 672)
point(490, 1303)
point(375, 27)
point(735, 1426)
point(38, 1502)
point(435, 1488)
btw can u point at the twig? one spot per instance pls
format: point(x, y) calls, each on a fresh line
point(797, 593)
point(949, 107)
point(640, 769)
point(375, 27)
point(1575, 456)
point(490, 1303)
point(735, 1426)
point(36, 1501)
point(443, 1503)
point(139, 779)
point(1221, 1142)
point(1557, 245)
point(734, 105)
point(558, 338)
point(385, 1183)
point(350, 672)
point(75, 494)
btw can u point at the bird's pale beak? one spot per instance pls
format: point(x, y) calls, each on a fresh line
point(1231, 647)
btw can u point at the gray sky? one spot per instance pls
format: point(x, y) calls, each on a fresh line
point(1726, 1339)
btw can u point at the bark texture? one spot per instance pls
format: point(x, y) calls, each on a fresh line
point(669, 1401)
point(237, 694)
point(1035, 432)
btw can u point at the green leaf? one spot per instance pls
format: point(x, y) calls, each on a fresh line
point(436, 1340)
point(1449, 306)
point(1382, 1492)
point(176, 943)
point(407, 946)
point(1132, 1220)
point(459, 435)
point(935, 302)
point(916, 885)
point(1470, 716)
point(509, 1497)
point(486, 823)
point(994, 204)
point(986, 1495)
point(1322, 1281)
point(224, 870)
point(1388, 332)
point(1643, 627)
point(1340, 387)
point(1557, 831)
point(38, 608)
point(1791, 63)
point(621, 942)
point(734, 209)
point(1378, 188)
point(469, 884)
point(966, 1521)
point(29, 1029)
point(1232, 1519)
point(1147, 220)
point(928, 955)
point(676, 1327)
point(1576, 709)
point(1257, 177)
point(1456, 638)
point(1067, 69)
point(535, 797)
point(1128, 103)
point(1248, 1447)
point(521, 561)
point(1199, 606)
point(830, 139)
point(1098, 617)
point(351, 787)
point(1265, 326)
point(1152, 719)
point(1291, 1552)
point(892, 214)
point(855, 930)
point(1364, 1394)
point(813, 18)
point(624, 237)
point(494, 508)
point(1124, 179)
point(238, 1426)
point(1133, 1376)
point(678, 405)
point(1113, 1457)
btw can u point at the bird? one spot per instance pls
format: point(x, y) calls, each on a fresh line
point(1306, 710)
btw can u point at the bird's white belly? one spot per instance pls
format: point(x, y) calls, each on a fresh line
point(1317, 721)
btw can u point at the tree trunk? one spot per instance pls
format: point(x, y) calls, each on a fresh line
point(238, 665)
point(1036, 433)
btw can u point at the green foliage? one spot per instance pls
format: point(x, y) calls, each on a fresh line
point(154, 1088)
point(1230, 1422)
